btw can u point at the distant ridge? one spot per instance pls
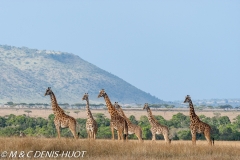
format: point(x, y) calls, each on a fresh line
point(26, 73)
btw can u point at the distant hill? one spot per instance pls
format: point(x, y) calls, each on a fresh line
point(26, 73)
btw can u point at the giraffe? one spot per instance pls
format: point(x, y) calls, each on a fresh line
point(156, 127)
point(196, 125)
point(117, 122)
point(61, 119)
point(132, 128)
point(91, 124)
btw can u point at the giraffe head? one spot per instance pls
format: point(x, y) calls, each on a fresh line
point(146, 106)
point(102, 93)
point(118, 108)
point(116, 105)
point(85, 97)
point(187, 99)
point(48, 91)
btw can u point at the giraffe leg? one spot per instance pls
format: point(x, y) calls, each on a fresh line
point(139, 137)
point(58, 130)
point(166, 138)
point(207, 136)
point(92, 134)
point(95, 133)
point(153, 136)
point(138, 133)
point(193, 137)
point(125, 130)
point(57, 125)
point(112, 129)
point(72, 128)
point(125, 137)
point(74, 133)
point(119, 134)
point(89, 134)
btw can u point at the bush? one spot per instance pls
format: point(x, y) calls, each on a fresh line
point(184, 134)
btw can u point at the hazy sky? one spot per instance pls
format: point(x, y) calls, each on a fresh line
point(166, 48)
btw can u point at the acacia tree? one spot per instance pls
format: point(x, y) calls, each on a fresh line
point(76, 112)
point(28, 111)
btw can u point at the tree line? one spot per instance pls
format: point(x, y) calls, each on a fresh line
point(222, 127)
point(101, 105)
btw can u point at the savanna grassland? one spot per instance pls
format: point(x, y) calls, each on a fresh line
point(115, 150)
point(46, 146)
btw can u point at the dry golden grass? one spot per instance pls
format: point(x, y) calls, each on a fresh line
point(131, 150)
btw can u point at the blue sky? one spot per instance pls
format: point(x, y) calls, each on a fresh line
point(166, 48)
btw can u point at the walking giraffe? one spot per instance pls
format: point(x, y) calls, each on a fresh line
point(196, 125)
point(117, 121)
point(61, 120)
point(91, 124)
point(132, 128)
point(156, 127)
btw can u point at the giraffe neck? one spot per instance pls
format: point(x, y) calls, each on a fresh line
point(192, 113)
point(151, 119)
point(89, 114)
point(112, 111)
point(56, 109)
point(125, 117)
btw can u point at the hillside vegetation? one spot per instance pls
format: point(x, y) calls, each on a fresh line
point(26, 73)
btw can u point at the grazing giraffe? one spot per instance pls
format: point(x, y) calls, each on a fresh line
point(117, 121)
point(91, 124)
point(156, 127)
point(132, 128)
point(61, 119)
point(22, 134)
point(196, 125)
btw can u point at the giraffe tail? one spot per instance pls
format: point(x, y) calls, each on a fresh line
point(212, 131)
point(78, 134)
point(125, 130)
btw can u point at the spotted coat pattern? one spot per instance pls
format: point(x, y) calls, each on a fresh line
point(156, 127)
point(196, 125)
point(132, 128)
point(91, 124)
point(61, 119)
point(117, 122)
